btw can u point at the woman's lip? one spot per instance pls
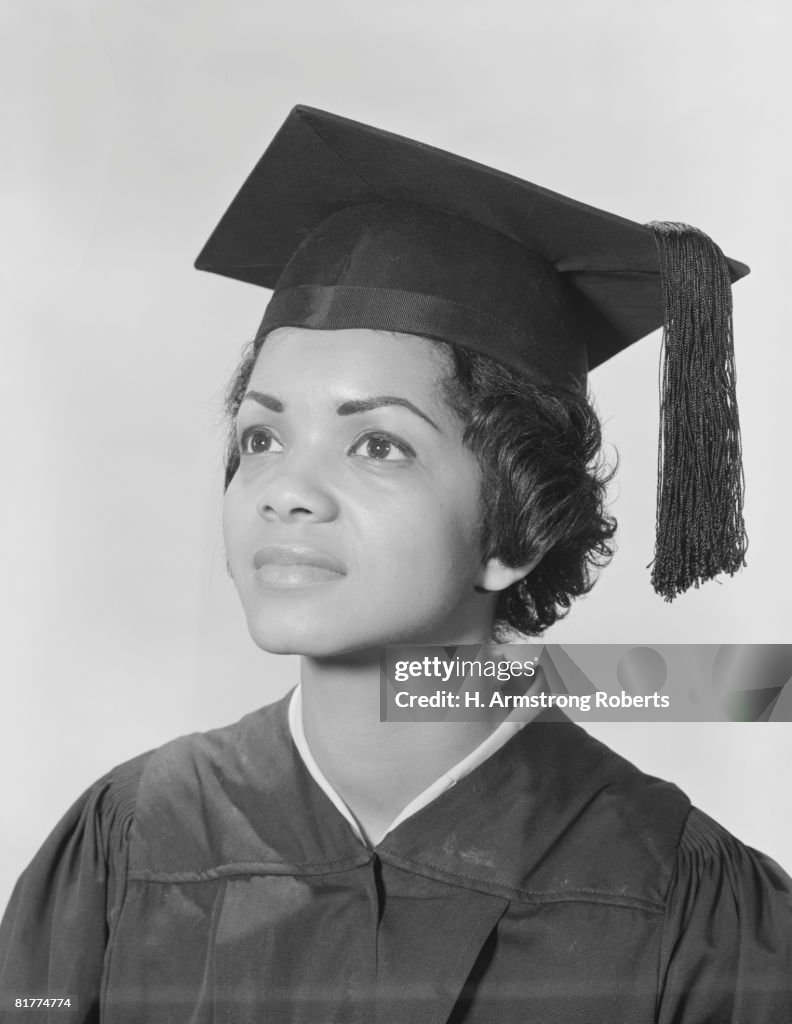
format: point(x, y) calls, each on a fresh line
point(292, 564)
point(273, 574)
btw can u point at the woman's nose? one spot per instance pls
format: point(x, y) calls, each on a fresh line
point(295, 492)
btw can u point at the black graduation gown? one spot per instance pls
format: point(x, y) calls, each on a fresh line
point(212, 881)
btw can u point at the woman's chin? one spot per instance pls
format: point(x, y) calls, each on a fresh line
point(304, 640)
point(311, 641)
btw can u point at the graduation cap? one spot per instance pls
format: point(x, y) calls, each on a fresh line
point(353, 226)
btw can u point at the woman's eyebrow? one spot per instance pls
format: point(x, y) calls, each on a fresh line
point(366, 404)
point(349, 408)
point(268, 401)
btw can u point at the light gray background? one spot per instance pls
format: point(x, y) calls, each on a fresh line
point(127, 126)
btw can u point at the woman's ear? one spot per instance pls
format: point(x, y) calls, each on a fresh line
point(495, 576)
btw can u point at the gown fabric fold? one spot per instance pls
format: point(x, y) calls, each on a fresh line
point(212, 880)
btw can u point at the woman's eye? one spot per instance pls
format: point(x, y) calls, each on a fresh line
point(258, 441)
point(382, 448)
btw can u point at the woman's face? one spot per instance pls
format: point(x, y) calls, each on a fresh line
point(354, 517)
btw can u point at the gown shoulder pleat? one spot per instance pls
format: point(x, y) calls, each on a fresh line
point(726, 954)
point(62, 911)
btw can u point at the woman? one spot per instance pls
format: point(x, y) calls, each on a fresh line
point(413, 461)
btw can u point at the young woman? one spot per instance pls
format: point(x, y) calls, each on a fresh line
point(413, 460)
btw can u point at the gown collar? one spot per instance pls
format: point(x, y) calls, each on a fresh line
point(552, 811)
point(496, 739)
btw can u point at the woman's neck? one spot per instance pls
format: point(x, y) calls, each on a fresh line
point(376, 767)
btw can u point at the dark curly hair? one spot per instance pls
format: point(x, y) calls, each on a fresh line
point(543, 485)
point(543, 481)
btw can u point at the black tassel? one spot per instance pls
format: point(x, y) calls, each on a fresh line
point(700, 528)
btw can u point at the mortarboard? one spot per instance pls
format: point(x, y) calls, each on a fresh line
point(353, 226)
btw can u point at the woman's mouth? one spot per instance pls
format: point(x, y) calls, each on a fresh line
point(282, 565)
